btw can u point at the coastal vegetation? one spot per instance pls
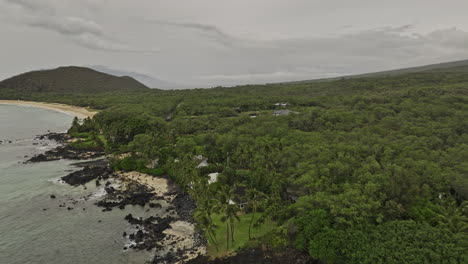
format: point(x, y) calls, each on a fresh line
point(359, 170)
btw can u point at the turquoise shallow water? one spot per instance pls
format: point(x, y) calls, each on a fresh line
point(33, 228)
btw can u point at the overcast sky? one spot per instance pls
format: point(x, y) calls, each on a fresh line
point(205, 43)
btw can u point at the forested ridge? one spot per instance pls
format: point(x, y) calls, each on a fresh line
point(364, 170)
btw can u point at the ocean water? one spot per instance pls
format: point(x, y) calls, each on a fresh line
point(33, 227)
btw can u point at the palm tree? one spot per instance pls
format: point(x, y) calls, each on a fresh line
point(253, 203)
point(202, 194)
point(200, 190)
point(75, 127)
point(203, 217)
point(232, 217)
point(222, 207)
point(152, 149)
point(270, 206)
point(228, 210)
point(185, 172)
point(453, 217)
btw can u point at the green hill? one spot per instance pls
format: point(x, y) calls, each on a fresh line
point(69, 80)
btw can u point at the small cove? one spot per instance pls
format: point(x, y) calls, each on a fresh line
point(34, 227)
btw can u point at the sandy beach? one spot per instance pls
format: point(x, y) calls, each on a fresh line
point(159, 185)
point(77, 111)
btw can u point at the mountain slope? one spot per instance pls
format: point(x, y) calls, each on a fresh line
point(453, 66)
point(147, 80)
point(70, 80)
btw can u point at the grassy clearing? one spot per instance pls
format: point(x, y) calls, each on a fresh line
point(87, 141)
point(83, 135)
point(84, 144)
point(103, 140)
point(241, 234)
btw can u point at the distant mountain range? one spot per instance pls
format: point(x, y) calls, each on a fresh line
point(149, 81)
point(102, 79)
point(70, 79)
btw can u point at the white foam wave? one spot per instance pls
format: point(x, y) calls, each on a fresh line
point(57, 181)
point(101, 192)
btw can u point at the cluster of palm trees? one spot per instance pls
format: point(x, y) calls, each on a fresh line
point(453, 217)
point(219, 200)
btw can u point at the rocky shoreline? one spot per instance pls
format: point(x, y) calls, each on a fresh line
point(170, 233)
point(65, 151)
point(260, 255)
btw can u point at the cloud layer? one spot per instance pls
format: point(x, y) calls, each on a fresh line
point(46, 15)
point(209, 42)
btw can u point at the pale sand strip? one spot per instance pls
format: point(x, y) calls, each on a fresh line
point(77, 111)
point(159, 185)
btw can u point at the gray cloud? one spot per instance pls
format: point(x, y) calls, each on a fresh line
point(211, 42)
point(85, 33)
point(448, 38)
point(68, 25)
point(361, 52)
point(52, 6)
point(198, 26)
point(43, 8)
point(210, 31)
point(96, 42)
point(31, 5)
point(81, 31)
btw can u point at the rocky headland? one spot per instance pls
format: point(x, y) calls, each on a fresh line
point(169, 232)
point(65, 150)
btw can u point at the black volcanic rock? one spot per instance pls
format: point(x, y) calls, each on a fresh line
point(66, 152)
point(86, 175)
point(135, 194)
point(184, 206)
point(259, 255)
point(58, 137)
point(139, 236)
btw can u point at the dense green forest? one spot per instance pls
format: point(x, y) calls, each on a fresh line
point(364, 170)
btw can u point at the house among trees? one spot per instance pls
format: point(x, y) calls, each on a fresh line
point(240, 192)
point(240, 197)
point(241, 205)
point(253, 115)
point(213, 177)
point(201, 160)
point(282, 112)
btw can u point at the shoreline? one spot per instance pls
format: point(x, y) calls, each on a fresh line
point(167, 230)
point(80, 112)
